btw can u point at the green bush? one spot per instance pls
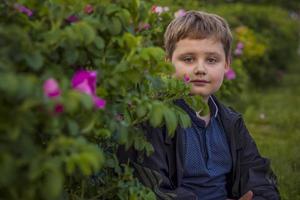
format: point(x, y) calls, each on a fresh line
point(268, 26)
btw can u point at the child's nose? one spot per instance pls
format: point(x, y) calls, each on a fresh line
point(200, 68)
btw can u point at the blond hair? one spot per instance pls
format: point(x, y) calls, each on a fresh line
point(198, 25)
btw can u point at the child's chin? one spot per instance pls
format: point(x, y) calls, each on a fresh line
point(199, 92)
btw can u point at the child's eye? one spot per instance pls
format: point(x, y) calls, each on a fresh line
point(211, 60)
point(188, 59)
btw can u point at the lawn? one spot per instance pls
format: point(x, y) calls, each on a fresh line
point(273, 118)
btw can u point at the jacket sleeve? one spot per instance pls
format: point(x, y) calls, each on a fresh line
point(153, 171)
point(256, 173)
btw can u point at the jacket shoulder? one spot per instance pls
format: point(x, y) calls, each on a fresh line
point(226, 112)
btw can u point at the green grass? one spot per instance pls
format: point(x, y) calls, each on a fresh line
point(273, 118)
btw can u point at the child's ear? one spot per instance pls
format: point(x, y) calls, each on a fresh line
point(227, 64)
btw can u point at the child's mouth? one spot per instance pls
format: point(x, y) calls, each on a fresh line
point(200, 82)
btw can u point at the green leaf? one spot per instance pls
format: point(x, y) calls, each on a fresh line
point(141, 110)
point(124, 15)
point(35, 60)
point(130, 40)
point(115, 27)
point(70, 165)
point(71, 100)
point(170, 119)
point(8, 169)
point(53, 184)
point(99, 42)
point(103, 133)
point(89, 126)
point(183, 118)
point(156, 114)
point(197, 103)
point(86, 101)
point(112, 8)
point(9, 83)
point(83, 31)
point(73, 127)
point(133, 75)
point(71, 55)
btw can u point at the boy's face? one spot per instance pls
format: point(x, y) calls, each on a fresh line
point(203, 61)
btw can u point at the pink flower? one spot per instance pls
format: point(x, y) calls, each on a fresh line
point(179, 13)
point(186, 78)
point(72, 19)
point(153, 8)
point(59, 108)
point(85, 81)
point(88, 9)
point(99, 103)
point(238, 52)
point(159, 10)
point(51, 88)
point(240, 45)
point(230, 74)
point(143, 26)
point(23, 9)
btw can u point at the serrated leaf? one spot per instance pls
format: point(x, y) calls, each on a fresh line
point(112, 8)
point(99, 42)
point(170, 119)
point(85, 32)
point(90, 125)
point(130, 40)
point(156, 114)
point(104, 133)
point(53, 184)
point(184, 119)
point(141, 110)
point(115, 27)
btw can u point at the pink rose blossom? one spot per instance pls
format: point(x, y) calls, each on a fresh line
point(159, 10)
point(238, 52)
point(153, 8)
point(240, 45)
point(186, 78)
point(179, 13)
point(85, 81)
point(23, 9)
point(143, 26)
point(72, 19)
point(230, 74)
point(59, 108)
point(99, 103)
point(51, 88)
point(88, 9)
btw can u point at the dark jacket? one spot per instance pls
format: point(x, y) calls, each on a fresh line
point(163, 170)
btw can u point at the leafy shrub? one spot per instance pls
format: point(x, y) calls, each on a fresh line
point(267, 26)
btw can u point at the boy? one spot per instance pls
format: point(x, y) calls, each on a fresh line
point(216, 158)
